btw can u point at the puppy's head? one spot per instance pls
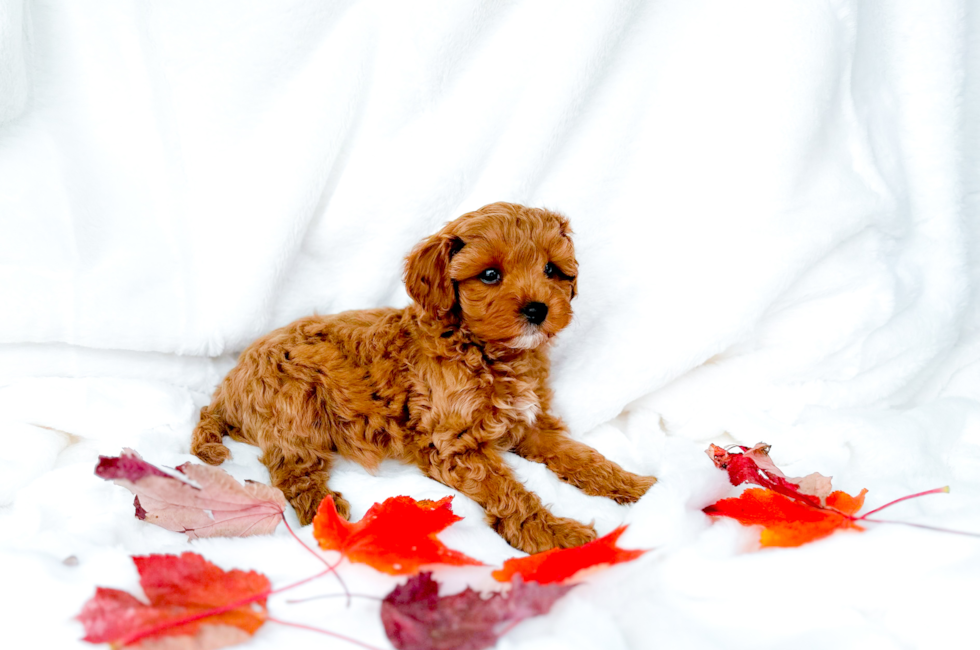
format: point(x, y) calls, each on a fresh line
point(506, 273)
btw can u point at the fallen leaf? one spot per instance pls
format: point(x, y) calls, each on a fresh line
point(792, 511)
point(563, 564)
point(753, 465)
point(192, 604)
point(415, 617)
point(786, 522)
point(218, 506)
point(396, 537)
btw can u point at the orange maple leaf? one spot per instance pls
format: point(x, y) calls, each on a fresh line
point(188, 597)
point(562, 564)
point(396, 537)
point(787, 522)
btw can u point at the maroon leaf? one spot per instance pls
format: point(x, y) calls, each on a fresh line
point(416, 618)
point(217, 506)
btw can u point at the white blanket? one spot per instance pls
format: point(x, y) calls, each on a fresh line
point(777, 216)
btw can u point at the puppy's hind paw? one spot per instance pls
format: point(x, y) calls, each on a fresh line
point(307, 504)
point(343, 507)
point(212, 453)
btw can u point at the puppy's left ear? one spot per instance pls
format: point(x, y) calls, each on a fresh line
point(427, 274)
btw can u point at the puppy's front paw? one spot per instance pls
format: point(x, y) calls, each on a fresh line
point(541, 531)
point(343, 508)
point(569, 533)
point(633, 488)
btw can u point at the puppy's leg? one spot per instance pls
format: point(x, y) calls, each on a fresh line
point(515, 513)
point(303, 477)
point(579, 464)
point(206, 442)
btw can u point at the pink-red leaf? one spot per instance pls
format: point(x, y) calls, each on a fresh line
point(753, 465)
point(564, 564)
point(415, 617)
point(218, 506)
point(191, 604)
point(397, 536)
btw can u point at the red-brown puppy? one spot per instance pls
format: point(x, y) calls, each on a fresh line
point(447, 383)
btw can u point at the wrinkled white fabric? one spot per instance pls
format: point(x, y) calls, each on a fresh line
point(776, 211)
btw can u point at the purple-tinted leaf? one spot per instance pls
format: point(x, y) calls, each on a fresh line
point(217, 506)
point(127, 466)
point(416, 618)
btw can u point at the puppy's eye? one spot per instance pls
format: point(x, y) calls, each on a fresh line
point(550, 270)
point(490, 276)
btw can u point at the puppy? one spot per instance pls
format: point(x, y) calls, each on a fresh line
point(447, 383)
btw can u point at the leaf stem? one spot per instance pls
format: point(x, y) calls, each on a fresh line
point(322, 631)
point(865, 516)
point(301, 542)
point(322, 596)
point(330, 567)
point(927, 527)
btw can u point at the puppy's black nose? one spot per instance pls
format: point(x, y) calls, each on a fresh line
point(535, 312)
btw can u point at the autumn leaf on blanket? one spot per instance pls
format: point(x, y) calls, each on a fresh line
point(753, 465)
point(217, 506)
point(396, 537)
point(792, 511)
point(788, 522)
point(415, 617)
point(563, 564)
point(191, 603)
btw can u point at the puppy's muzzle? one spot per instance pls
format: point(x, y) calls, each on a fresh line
point(535, 312)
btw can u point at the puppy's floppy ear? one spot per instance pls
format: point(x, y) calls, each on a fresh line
point(565, 230)
point(427, 274)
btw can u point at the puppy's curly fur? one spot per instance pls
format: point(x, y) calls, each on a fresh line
point(447, 383)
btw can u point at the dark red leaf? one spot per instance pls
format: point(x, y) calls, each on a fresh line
point(417, 618)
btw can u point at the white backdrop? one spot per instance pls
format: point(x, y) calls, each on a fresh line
point(776, 217)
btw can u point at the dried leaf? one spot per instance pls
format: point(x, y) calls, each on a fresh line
point(416, 618)
point(564, 564)
point(219, 507)
point(193, 605)
point(753, 465)
point(396, 537)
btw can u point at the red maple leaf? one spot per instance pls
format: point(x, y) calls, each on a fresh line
point(786, 522)
point(396, 537)
point(563, 564)
point(792, 511)
point(416, 618)
point(188, 598)
point(217, 506)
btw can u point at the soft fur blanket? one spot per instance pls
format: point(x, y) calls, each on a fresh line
point(776, 211)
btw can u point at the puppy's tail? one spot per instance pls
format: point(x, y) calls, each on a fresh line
point(206, 443)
